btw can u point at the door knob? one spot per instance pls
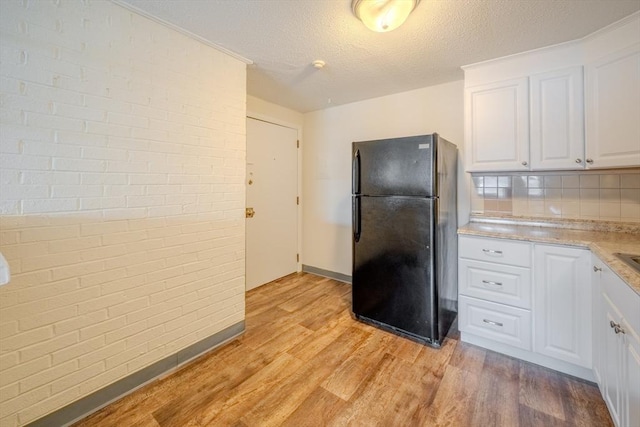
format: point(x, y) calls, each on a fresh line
point(590, 161)
point(249, 212)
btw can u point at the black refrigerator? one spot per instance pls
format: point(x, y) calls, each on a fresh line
point(405, 247)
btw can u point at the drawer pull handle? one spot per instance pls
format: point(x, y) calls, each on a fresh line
point(491, 322)
point(489, 282)
point(491, 251)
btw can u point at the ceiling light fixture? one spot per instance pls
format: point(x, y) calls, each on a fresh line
point(383, 15)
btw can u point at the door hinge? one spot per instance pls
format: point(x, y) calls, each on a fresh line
point(297, 143)
point(297, 257)
point(297, 200)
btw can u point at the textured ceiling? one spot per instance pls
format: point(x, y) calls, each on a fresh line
point(283, 37)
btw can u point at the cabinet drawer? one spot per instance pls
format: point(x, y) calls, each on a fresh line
point(495, 282)
point(495, 250)
point(498, 322)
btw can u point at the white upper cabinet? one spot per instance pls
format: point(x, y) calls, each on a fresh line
point(497, 126)
point(613, 109)
point(533, 122)
point(557, 123)
point(529, 111)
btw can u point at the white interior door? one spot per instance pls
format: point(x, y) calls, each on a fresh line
point(272, 188)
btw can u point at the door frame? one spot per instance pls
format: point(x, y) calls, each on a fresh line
point(298, 129)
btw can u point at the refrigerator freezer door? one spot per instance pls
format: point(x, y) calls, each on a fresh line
point(394, 167)
point(393, 264)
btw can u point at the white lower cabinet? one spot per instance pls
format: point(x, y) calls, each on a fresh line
point(616, 345)
point(530, 301)
point(562, 296)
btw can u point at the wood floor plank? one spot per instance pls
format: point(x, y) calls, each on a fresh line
point(329, 306)
point(147, 421)
point(529, 417)
point(273, 330)
point(305, 299)
point(367, 405)
point(313, 344)
point(412, 399)
point(316, 410)
point(405, 349)
point(304, 361)
point(456, 395)
point(346, 379)
point(454, 400)
point(499, 382)
point(468, 358)
point(435, 360)
point(281, 403)
point(229, 408)
point(541, 389)
point(583, 405)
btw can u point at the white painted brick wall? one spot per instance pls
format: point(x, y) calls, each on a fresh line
point(122, 152)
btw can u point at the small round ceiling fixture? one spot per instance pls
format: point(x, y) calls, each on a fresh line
point(383, 15)
point(318, 64)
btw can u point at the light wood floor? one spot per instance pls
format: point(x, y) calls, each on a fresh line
point(304, 361)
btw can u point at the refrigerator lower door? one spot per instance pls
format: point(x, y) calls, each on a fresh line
point(393, 265)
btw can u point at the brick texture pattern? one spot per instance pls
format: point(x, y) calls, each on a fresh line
point(122, 163)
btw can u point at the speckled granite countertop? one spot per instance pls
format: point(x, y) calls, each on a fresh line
point(603, 238)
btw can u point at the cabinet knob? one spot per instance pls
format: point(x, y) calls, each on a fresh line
point(578, 160)
point(589, 161)
point(596, 269)
point(524, 163)
point(619, 330)
point(616, 327)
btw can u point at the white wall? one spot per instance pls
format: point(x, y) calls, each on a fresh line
point(327, 160)
point(265, 110)
point(122, 162)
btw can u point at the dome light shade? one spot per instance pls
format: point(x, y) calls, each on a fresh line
point(383, 15)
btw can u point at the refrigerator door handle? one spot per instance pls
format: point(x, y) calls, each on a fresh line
point(356, 219)
point(355, 179)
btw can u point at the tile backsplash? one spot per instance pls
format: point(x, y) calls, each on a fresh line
point(612, 195)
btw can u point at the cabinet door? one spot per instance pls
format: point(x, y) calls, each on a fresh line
point(612, 110)
point(557, 120)
point(612, 356)
point(497, 126)
point(631, 375)
point(598, 321)
point(562, 295)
